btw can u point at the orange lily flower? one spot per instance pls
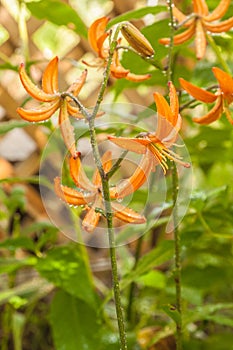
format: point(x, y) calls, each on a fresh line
point(200, 22)
point(155, 147)
point(89, 195)
point(53, 101)
point(222, 98)
point(97, 36)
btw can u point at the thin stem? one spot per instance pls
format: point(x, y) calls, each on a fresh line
point(106, 196)
point(218, 53)
point(177, 270)
point(117, 164)
point(171, 44)
point(177, 252)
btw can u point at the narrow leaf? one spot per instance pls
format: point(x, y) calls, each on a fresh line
point(8, 126)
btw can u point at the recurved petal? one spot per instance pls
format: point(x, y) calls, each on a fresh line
point(50, 77)
point(107, 164)
point(96, 30)
point(32, 89)
point(213, 114)
point(228, 115)
point(79, 176)
point(219, 11)
point(224, 79)
point(138, 178)
point(197, 93)
point(180, 38)
point(76, 87)
point(133, 144)
point(178, 14)
point(71, 196)
point(38, 114)
point(127, 215)
point(67, 129)
point(163, 108)
point(200, 7)
point(174, 103)
point(221, 27)
point(92, 217)
point(119, 72)
point(137, 78)
point(200, 40)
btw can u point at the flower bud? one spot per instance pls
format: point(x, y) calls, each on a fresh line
point(136, 39)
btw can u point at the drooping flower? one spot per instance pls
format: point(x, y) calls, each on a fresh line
point(97, 36)
point(199, 23)
point(222, 98)
point(89, 195)
point(52, 101)
point(154, 146)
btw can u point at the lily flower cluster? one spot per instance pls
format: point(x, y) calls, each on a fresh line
point(222, 98)
point(199, 23)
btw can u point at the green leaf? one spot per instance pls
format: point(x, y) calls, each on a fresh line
point(13, 124)
point(162, 253)
point(65, 268)
point(11, 265)
point(74, 324)
point(135, 14)
point(18, 242)
point(154, 279)
point(58, 13)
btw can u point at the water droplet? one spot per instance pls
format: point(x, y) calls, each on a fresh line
point(119, 200)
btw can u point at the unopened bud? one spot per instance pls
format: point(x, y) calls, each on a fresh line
point(136, 39)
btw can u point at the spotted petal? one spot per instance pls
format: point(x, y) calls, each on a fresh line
point(127, 215)
point(32, 89)
point(213, 114)
point(50, 77)
point(38, 114)
point(197, 93)
point(71, 196)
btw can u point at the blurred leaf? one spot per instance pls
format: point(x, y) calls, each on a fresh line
point(171, 311)
point(8, 65)
point(206, 311)
point(65, 268)
point(10, 125)
point(18, 322)
point(42, 180)
point(19, 242)
point(74, 324)
point(135, 14)
point(154, 279)
point(58, 13)
point(10, 265)
point(157, 256)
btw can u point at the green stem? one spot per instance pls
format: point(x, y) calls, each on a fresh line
point(218, 53)
point(106, 196)
point(177, 271)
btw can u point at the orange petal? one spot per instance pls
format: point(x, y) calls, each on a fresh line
point(133, 144)
point(79, 176)
point(219, 11)
point(200, 40)
point(212, 115)
point(163, 108)
point(50, 77)
point(78, 84)
point(92, 217)
point(71, 196)
point(136, 78)
point(127, 215)
point(178, 14)
point(197, 93)
point(119, 72)
point(32, 89)
point(140, 175)
point(225, 81)
point(107, 164)
point(96, 30)
point(180, 38)
point(67, 129)
point(228, 115)
point(220, 27)
point(200, 7)
point(174, 103)
point(39, 114)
